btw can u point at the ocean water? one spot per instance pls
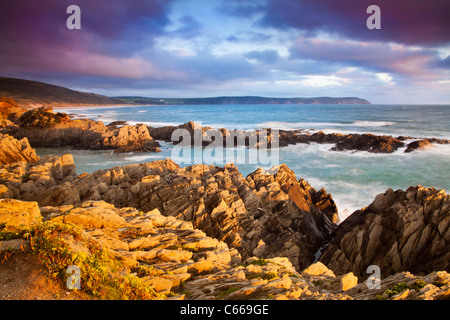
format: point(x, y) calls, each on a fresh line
point(352, 178)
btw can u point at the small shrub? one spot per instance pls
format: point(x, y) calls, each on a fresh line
point(226, 292)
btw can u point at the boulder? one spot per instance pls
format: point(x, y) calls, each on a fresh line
point(318, 269)
point(9, 112)
point(348, 281)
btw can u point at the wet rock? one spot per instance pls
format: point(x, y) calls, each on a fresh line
point(400, 231)
point(418, 145)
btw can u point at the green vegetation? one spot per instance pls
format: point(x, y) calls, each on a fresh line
point(402, 286)
point(258, 262)
point(102, 276)
point(42, 119)
point(262, 275)
point(226, 292)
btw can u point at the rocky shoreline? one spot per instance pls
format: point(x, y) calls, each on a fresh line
point(44, 128)
point(208, 232)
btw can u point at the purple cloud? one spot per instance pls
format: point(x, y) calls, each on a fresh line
point(412, 22)
point(375, 56)
point(113, 27)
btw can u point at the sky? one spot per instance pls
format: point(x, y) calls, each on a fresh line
point(205, 48)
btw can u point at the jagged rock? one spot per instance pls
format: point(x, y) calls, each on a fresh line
point(167, 267)
point(13, 150)
point(368, 142)
point(9, 112)
point(4, 192)
point(400, 231)
point(418, 145)
point(99, 215)
point(268, 213)
point(44, 128)
point(356, 142)
point(16, 213)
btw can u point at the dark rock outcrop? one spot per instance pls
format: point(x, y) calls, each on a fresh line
point(400, 231)
point(254, 138)
point(424, 144)
point(44, 128)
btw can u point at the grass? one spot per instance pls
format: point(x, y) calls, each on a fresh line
point(262, 275)
point(102, 276)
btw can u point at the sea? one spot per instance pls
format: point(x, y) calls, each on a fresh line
point(352, 178)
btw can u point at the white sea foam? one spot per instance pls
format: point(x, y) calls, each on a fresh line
point(153, 123)
point(141, 158)
point(317, 125)
point(373, 123)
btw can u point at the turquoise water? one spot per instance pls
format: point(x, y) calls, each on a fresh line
point(353, 178)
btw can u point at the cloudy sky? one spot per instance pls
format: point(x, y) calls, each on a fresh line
point(202, 48)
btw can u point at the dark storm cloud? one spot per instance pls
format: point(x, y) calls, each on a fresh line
point(111, 26)
point(411, 22)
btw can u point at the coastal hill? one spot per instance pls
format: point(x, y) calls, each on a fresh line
point(35, 94)
point(242, 100)
point(31, 94)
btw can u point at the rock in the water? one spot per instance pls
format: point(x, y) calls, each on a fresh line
point(44, 128)
point(13, 150)
point(418, 145)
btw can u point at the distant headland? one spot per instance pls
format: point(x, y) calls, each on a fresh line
point(32, 94)
point(243, 100)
